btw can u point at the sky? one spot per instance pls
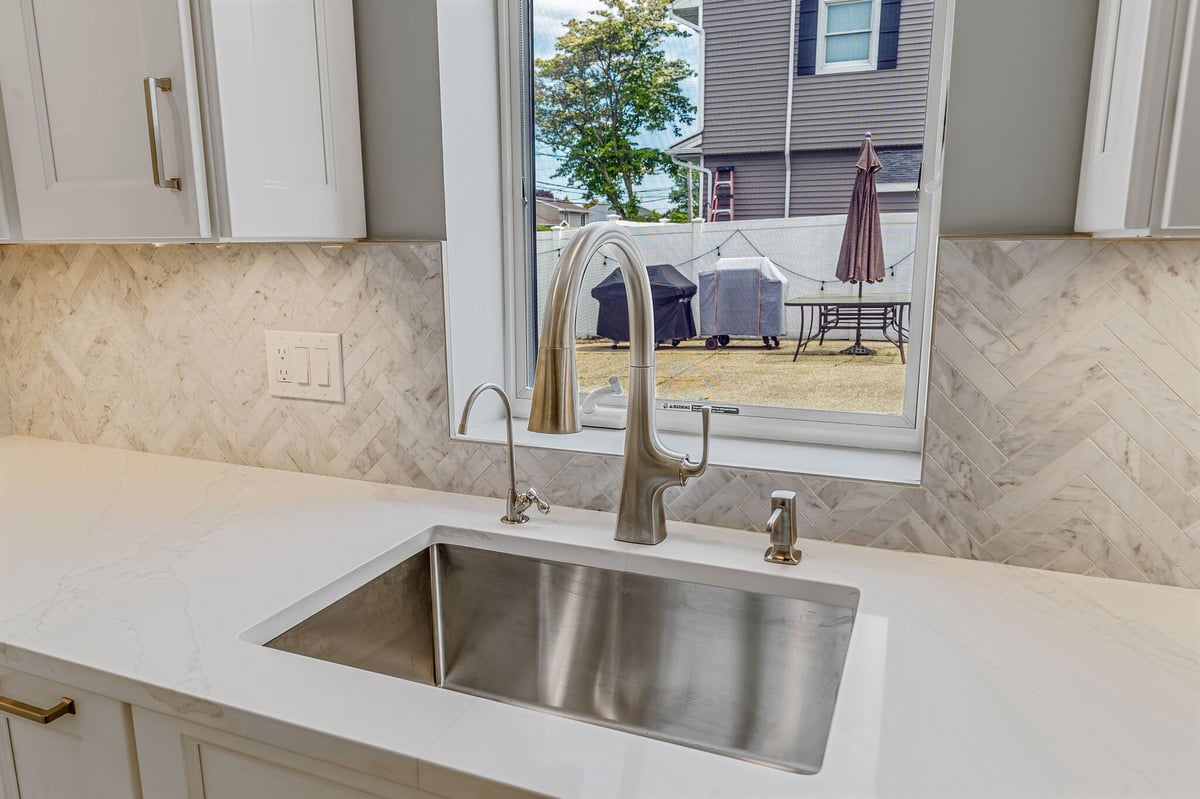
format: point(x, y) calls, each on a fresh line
point(549, 17)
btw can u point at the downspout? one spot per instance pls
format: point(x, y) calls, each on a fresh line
point(787, 123)
point(703, 174)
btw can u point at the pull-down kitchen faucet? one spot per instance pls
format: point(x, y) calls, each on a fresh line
point(650, 468)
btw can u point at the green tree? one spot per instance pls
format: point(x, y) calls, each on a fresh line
point(609, 82)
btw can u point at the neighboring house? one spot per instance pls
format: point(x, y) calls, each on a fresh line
point(552, 212)
point(837, 69)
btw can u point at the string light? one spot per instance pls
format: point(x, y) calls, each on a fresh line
point(717, 251)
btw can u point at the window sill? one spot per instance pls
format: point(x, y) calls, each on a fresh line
point(844, 69)
point(740, 453)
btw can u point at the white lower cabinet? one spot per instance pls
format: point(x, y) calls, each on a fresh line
point(181, 760)
point(88, 754)
point(106, 749)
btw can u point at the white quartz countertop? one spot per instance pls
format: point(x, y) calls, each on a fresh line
point(134, 575)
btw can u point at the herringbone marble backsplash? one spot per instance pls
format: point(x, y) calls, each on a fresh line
point(1064, 409)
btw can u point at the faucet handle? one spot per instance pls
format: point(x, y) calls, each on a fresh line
point(531, 497)
point(688, 468)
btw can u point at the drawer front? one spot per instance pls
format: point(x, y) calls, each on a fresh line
point(84, 754)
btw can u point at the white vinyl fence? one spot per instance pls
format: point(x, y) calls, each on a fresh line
point(805, 248)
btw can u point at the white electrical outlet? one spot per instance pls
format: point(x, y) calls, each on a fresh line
point(305, 365)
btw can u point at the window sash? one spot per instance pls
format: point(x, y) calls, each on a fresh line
point(825, 66)
point(883, 431)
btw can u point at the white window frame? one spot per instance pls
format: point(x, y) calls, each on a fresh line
point(870, 63)
point(489, 343)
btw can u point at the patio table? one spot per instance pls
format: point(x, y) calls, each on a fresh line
point(823, 312)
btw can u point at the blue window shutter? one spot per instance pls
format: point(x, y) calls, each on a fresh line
point(889, 33)
point(806, 38)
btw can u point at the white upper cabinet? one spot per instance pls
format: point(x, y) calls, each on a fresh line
point(74, 77)
point(1179, 203)
point(174, 120)
point(284, 94)
point(1143, 119)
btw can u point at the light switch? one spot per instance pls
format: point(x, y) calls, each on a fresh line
point(300, 365)
point(305, 365)
point(319, 364)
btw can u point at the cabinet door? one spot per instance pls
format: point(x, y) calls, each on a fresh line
point(285, 84)
point(78, 119)
point(1130, 70)
point(1180, 206)
point(85, 755)
point(181, 760)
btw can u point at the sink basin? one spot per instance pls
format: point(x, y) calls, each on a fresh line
point(744, 674)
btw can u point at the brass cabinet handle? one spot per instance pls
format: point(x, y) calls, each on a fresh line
point(37, 714)
point(153, 86)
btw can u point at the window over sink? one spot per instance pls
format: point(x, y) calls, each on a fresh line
point(696, 125)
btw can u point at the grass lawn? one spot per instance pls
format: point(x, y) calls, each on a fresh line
point(745, 372)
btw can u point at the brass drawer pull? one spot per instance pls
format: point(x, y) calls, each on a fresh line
point(152, 86)
point(37, 714)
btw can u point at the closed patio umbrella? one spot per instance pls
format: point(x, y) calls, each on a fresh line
point(861, 258)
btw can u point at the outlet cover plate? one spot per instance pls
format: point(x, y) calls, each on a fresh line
point(294, 365)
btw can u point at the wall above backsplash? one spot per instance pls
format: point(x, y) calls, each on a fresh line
point(1064, 415)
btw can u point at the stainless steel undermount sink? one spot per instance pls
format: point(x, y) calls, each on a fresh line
point(748, 675)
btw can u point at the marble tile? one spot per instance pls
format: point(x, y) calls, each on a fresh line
point(1140, 425)
point(1154, 395)
point(957, 352)
point(1045, 483)
point(1080, 423)
point(965, 435)
point(974, 326)
point(1159, 310)
point(991, 260)
point(1140, 467)
point(942, 450)
point(1047, 264)
point(1030, 255)
point(6, 426)
point(1156, 351)
point(1174, 270)
point(1067, 294)
point(950, 530)
point(1057, 336)
point(1141, 509)
point(1127, 537)
point(970, 401)
point(159, 349)
point(965, 276)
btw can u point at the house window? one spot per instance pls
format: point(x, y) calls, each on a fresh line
point(849, 30)
point(837, 36)
point(849, 35)
point(750, 314)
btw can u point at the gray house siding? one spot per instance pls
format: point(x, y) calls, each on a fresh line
point(747, 65)
point(747, 59)
point(835, 110)
point(821, 184)
point(757, 183)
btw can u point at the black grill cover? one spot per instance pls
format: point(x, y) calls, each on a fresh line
point(672, 294)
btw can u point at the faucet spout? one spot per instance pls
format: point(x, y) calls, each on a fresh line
point(650, 467)
point(515, 504)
